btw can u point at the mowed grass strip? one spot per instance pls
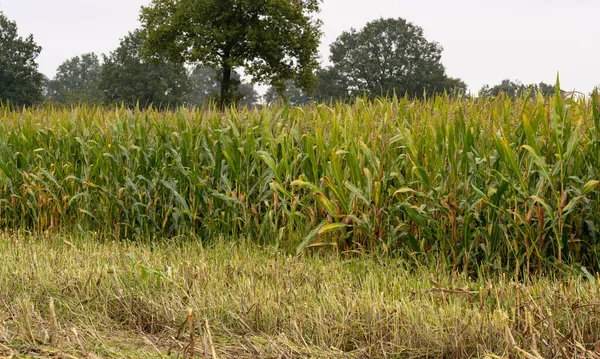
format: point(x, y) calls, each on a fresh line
point(89, 297)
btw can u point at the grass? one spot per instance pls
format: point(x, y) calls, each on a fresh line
point(91, 297)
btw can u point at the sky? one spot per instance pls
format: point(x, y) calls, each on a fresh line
point(484, 41)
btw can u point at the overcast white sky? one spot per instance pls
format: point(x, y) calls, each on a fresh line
point(484, 41)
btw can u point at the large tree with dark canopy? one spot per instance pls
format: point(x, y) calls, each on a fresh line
point(273, 40)
point(133, 79)
point(20, 80)
point(387, 56)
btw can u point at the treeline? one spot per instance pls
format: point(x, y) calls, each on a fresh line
point(221, 62)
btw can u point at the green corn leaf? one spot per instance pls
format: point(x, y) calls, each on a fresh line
point(329, 206)
point(309, 238)
point(331, 228)
point(358, 193)
point(540, 162)
point(589, 187)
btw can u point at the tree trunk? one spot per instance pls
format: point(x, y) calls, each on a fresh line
point(226, 83)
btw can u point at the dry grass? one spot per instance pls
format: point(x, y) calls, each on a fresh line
point(84, 297)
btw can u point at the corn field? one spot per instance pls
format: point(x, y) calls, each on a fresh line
point(508, 182)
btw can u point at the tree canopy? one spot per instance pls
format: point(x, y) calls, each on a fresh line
point(77, 80)
point(20, 80)
point(516, 88)
point(330, 86)
point(273, 40)
point(128, 77)
point(387, 56)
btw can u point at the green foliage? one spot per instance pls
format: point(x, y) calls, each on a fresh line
point(388, 56)
point(516, 88)
point(330, 86)
point(544, 88)
point(507, 87)
point(77, 81)
point(20, 80)
point(454, 86)
point(273, 40)
point(128, 77)
point(205, 86)
point(510, 183)
point(292, 94)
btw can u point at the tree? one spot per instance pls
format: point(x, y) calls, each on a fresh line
point(292, 93)
point(46, 88)
point(205, 86)
point(20, 80)
point(128, 77)
point(272, 40)
point(516, 88)
point(387, 56)
point(546, 89)
point(330, 86)
point(454, 85)
point(246, 94)
point(508, 87)
point(77, 80)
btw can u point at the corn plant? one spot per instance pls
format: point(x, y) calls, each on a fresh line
point(508, 182)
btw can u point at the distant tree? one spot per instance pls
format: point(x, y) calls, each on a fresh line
point(205, 86)
point(45, 88)
point(292, 94)
point(330, 86)
point(77, 80)
point(20, 81)
point(272, 40)
point(454, 86)
point(546, 89)
point(387, 56)
point(516, 88)
point(246, 94)
point(126, 76)
point(508, 87)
